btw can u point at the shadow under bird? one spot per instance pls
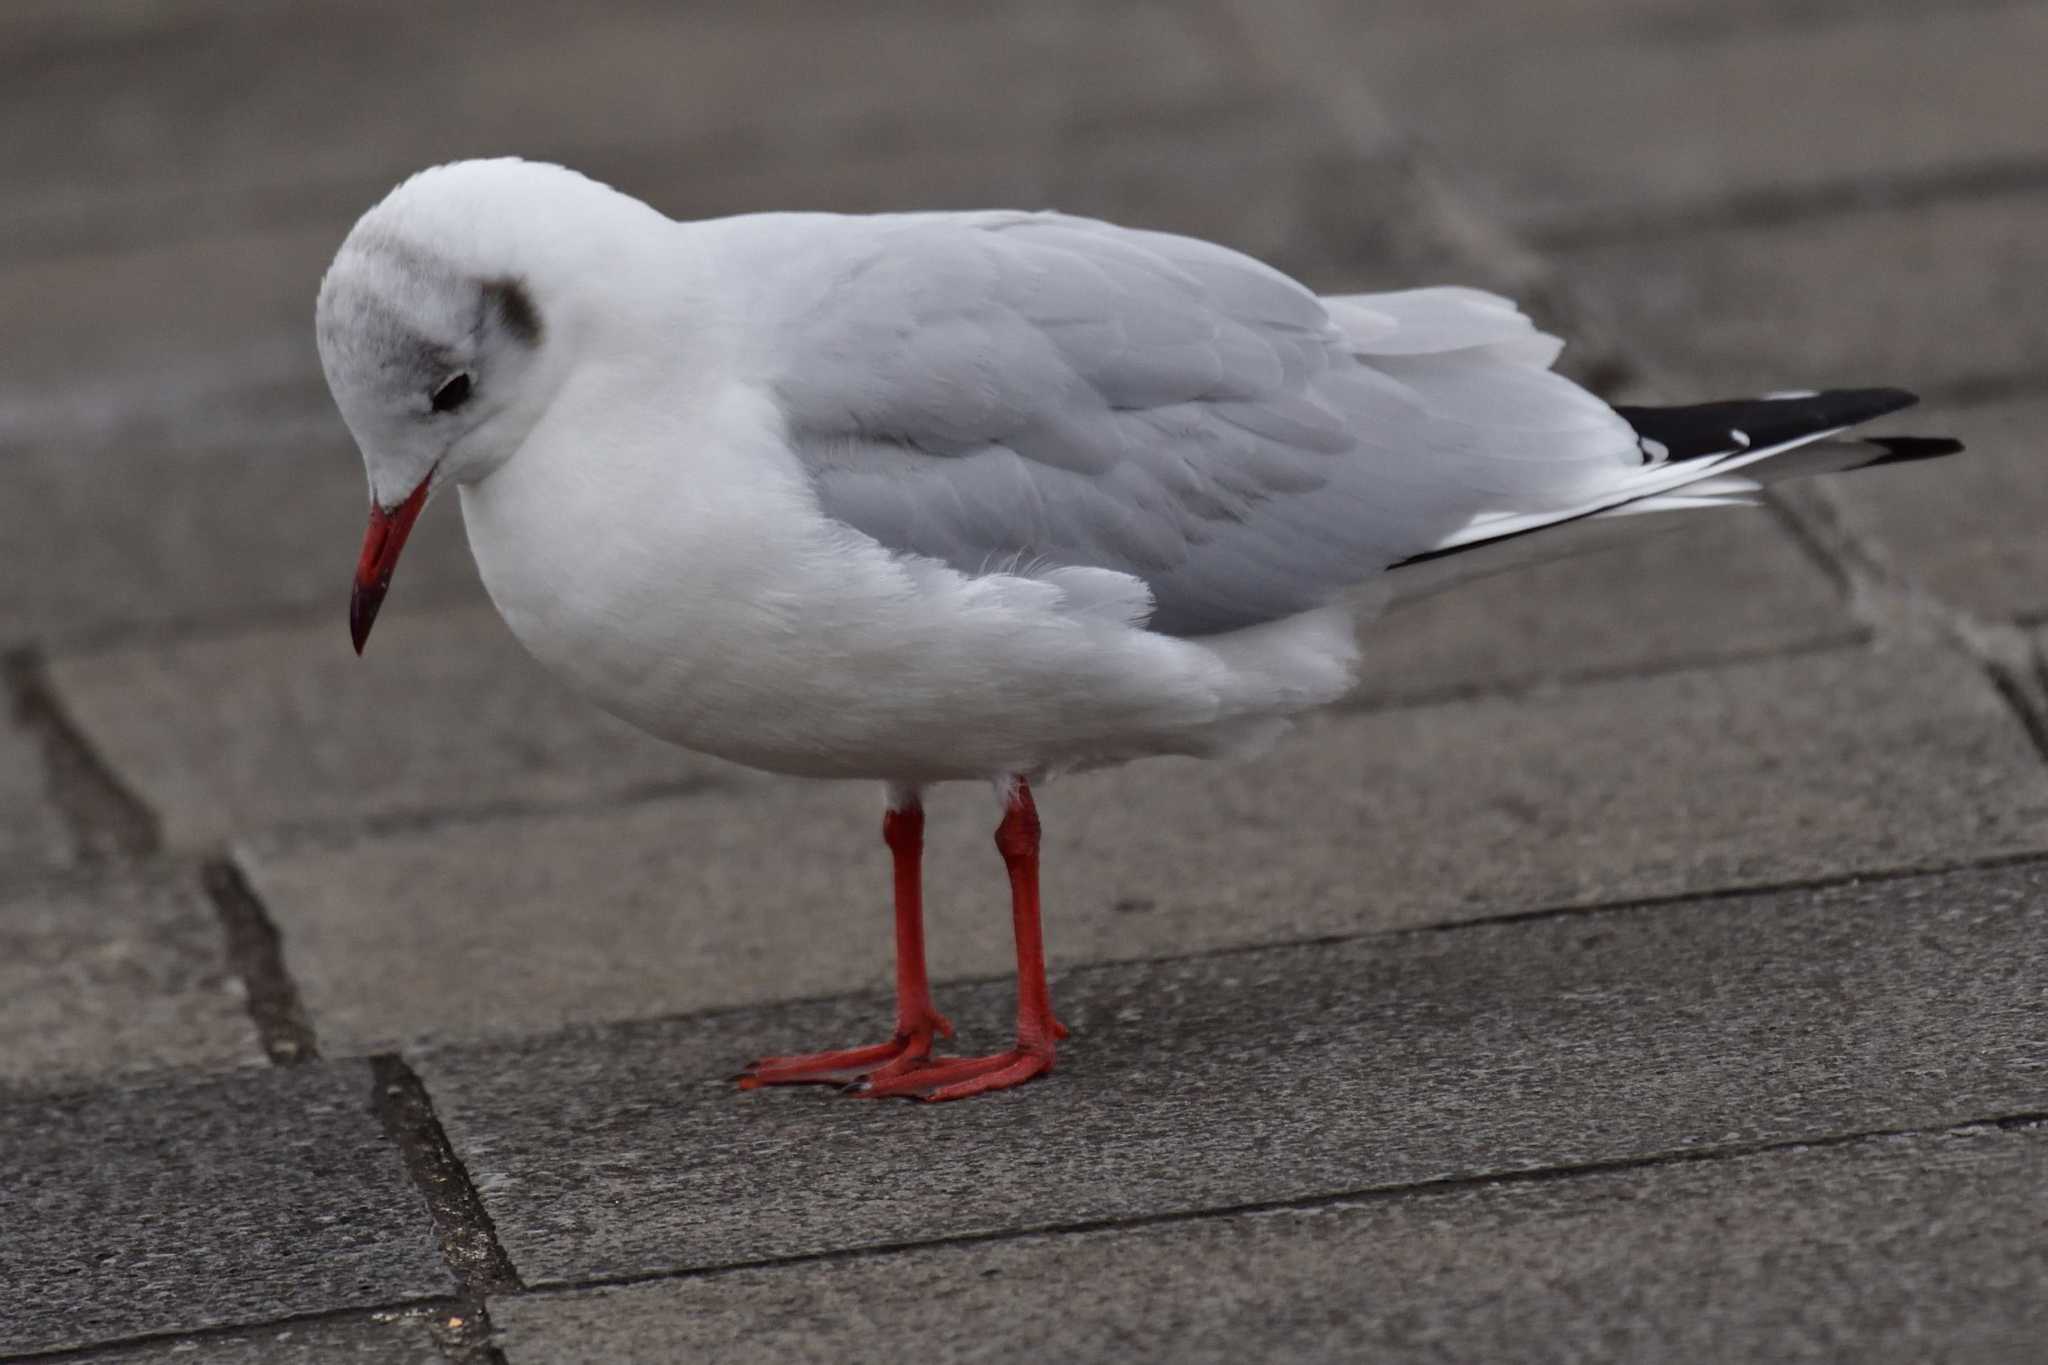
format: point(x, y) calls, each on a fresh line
point(923, 497)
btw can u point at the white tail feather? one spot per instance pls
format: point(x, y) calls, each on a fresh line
point(1647, 481)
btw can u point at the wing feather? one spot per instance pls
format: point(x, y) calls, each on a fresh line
point(997, 390)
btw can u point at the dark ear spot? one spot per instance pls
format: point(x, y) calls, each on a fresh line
point(508, 298)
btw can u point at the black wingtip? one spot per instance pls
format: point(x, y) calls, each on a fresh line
point(1851, 406)
point(1703, 429)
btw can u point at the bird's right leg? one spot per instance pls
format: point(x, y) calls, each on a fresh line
point(917, 1023)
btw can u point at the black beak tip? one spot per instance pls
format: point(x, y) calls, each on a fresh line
point(362, 614)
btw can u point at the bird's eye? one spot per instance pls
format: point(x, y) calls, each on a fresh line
point(452, 394)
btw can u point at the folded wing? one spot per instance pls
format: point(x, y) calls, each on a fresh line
point(1016, 392)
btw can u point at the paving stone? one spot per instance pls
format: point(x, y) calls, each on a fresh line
point(443, 714)
point(373, 92)
point(1930, 297)
point(166, 439)
point(1967, 529)
point(1788, 769)
point(400, 1338)
point(90, 330)
point(115, 974)
point(204, 1203)
point(1659, 594)
point(1561, 125)
point(1890, 1249)
point(1279, 1074)
point(186, 535)
point(32, 833)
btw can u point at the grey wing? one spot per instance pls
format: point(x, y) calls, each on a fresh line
point(1019, 391)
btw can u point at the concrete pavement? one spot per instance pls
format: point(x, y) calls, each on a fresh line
point(1646, 964)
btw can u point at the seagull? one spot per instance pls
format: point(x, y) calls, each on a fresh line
point(927, 497)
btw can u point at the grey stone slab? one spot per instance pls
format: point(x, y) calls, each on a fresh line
point(1569, 125)
point(1970, 529)
point(168, 453)
point(89, 332)
point(1900, 1249)
point(1929, 297)
point(32, 831)
point(1279, 1074)
point(115, 974)
point(1787, 769)
point(253, 105)
point(390, 1338)
point(444, 714)
point(1657, 593)
point(193, 1204)
point(156, 535)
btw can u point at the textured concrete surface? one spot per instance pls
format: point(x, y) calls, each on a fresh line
point(112, 975)
point(1889, 1249)
point(201, 1203)
point(1934, 297)
point(1756, 773)
point(1974, 535)
point(374, 93)
point(586, 933)
point(1709, 113)
point(385, 1338)
point(259, 525)
point(287, 727)
point(1218, 1081)
point(1681, 592)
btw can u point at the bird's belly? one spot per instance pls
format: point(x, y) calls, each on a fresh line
point(825, 705)
point(805, 658)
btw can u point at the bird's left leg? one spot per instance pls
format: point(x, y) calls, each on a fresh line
point(954, 1078)
point(917, 1023)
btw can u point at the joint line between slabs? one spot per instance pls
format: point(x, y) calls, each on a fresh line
point(1367, 1195)
point(463, 1228)
point(2016, 1122)
point(1893, 603)
point(255, 954)
point(122, 1346)
point(104, 819)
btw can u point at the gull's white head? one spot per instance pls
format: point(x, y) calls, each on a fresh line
point(441, 329)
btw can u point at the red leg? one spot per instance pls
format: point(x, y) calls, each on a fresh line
point(954, 1078)
point(916, 1021)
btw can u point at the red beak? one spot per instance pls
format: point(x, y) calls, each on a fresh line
point(381, 544)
